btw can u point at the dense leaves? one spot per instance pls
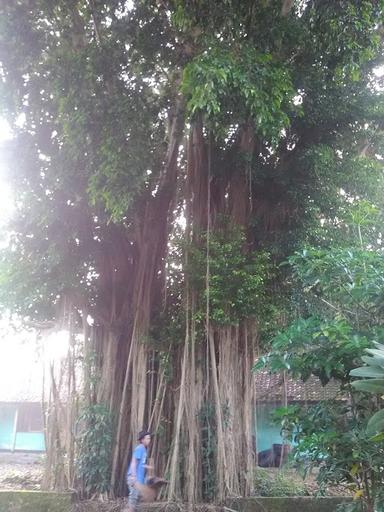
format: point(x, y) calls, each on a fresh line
point(95, 446)
point(339, 320)
point(237, 281)
point(311, 346)
point(88, 88)
point(232, 86)
point(333, 435)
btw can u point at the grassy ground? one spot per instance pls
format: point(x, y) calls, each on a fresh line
point(287, 482)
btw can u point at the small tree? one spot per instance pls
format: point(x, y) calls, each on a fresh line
point(340, 300)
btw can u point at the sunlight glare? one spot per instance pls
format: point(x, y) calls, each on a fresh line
point(6, 196)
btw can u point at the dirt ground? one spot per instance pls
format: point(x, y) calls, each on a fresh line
point(20, 471)
point(24, 471)
point(121, 506)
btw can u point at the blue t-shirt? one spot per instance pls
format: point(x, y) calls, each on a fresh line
point(140, 454)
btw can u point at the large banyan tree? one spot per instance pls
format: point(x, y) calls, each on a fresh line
point(167, 156)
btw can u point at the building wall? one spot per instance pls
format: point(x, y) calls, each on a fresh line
point(7, 423)
point(267, 433)
point(29, 435)
point(30, 441)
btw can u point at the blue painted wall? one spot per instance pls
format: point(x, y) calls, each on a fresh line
point(7, 421)
point(30, 441)
point(267, 433)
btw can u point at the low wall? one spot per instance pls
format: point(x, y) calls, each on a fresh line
point(34, 501)
point(286, 504)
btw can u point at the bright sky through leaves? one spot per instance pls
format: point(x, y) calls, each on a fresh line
point(6, 201)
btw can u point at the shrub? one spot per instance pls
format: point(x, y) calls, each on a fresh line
point(268, 483)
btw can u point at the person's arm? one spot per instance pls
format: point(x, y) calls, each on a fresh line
point(133, 469)
point(149, 466)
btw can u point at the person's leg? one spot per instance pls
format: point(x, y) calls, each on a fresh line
point(133, 498)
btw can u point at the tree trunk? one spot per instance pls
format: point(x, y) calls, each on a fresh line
point(215, 369)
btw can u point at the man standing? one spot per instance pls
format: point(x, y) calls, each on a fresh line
point(137, 469)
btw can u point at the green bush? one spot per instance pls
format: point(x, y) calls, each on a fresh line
point(277, 484)
point(95, 447)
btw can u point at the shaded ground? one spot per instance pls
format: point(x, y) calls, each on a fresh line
point(288, 482)
point(100, 506)
point(24, 471)
point(121, 506)
point(272, 482)
point(20, 471)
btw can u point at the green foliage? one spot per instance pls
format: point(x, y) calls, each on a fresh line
point(207, 417)
point(277, 484)
point(243, 83)
point(332, 435)
point(125, 154)
point(94, 449)
point(237, 279)
point(91, 140)
point(348, 282)
point(373, 369)
point(311, 346)
point(208, 426)
point(372, 382)
point(94, 91)
point(340, 318)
